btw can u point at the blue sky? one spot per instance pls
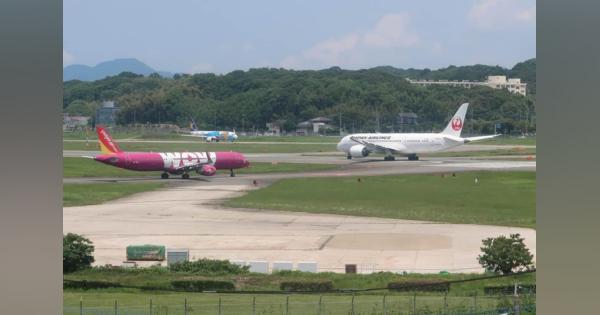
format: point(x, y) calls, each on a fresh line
point(222, 36)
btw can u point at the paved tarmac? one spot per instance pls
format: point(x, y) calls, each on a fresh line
point(187, 214)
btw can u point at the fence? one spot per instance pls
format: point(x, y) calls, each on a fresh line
point(226, 304)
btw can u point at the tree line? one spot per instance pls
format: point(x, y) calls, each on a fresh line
point(363, 100)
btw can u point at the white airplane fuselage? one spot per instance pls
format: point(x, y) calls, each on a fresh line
point(414, 143)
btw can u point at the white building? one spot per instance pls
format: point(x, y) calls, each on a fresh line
point(513, 85)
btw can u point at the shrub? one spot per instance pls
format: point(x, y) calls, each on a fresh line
point(306, 286)
point(209, 266)
point(202, 285)
point(86, 285)
point(77, 252)
point(419, 285)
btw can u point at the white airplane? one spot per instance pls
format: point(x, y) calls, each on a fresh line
point(408, 144)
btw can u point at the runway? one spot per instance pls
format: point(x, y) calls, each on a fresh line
point(187, 214)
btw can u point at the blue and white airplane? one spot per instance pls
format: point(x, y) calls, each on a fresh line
point(212, 135)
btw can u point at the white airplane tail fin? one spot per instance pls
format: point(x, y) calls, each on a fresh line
point(455, 125)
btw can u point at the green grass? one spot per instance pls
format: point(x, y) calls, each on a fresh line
point(138, 302)
point(160, 277)
point(89, 194)
point(74, 167)
point(499, 198)
point(207, 303)
point(204, 146)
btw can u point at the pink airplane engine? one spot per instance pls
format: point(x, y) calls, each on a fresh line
point(176, 163)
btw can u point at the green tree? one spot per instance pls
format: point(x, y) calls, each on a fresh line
point(77, 252)
point(504, 255)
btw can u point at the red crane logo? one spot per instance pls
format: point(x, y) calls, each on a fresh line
point(457, 123)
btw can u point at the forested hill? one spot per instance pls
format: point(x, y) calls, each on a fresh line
point(366, 99)
point(524, 70)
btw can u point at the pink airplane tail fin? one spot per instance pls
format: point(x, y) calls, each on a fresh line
point(107, 145)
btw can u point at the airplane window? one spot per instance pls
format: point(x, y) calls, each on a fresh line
point(114, 159)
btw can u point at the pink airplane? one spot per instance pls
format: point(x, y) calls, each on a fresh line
point(176, 163)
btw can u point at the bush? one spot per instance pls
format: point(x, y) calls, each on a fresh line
point(202, 285)
point(86, 285)
point(209, 266)
point(306, 286)
point(77, 253)
point(422, 285)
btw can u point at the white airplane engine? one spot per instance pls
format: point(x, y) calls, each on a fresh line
point(359, 150)
point(207, 170)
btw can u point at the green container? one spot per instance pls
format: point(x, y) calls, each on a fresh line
point(146, 252)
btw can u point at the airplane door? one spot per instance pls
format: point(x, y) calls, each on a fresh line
point(213, 157)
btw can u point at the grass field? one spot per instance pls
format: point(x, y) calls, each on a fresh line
point(164, 303)
point(204, 146)
point(83, 167)
point(89, 194)
point(499, 198)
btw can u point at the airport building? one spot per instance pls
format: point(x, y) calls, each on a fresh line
point(513, 85)
point(74, 122)
point(106, 114)
point(313, 126)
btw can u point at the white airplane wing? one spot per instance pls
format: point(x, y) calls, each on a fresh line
point(471, 139)
point(372, 146)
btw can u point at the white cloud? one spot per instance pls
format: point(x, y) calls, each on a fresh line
point(391, 31)
point(390, 34)
point(501, 14)
point(201, 68)
point(68, 58)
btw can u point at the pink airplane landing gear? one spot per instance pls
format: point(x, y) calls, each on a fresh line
point(164, 175)
point(231, 174)
point(185, 176)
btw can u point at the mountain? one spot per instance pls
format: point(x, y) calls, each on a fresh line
point(109, 68)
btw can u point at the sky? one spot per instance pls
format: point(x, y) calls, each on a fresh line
point(221, 36)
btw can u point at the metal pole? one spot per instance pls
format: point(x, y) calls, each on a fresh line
point(446, 303)
point(253, 305)
point(384, 306)
point(475, 302)
point(219, 305)
point(150, 306)
point(287, 304)
point(81, 306)
point(185, 306)
point(415, 303)
point(352, 304)
point(116, 308)
point(320, 303)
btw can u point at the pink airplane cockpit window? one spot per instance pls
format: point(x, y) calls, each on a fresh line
point(113, 159)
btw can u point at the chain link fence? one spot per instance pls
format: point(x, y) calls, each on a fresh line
point(233, 304)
